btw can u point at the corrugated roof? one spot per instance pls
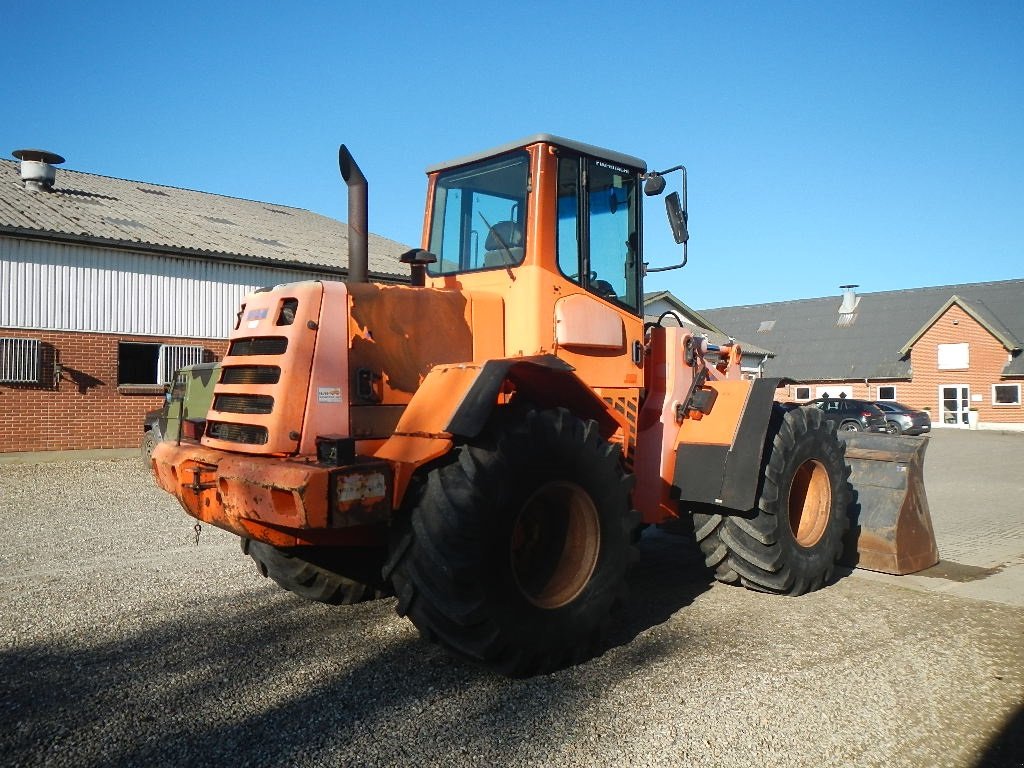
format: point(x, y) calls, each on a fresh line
point(813, 342)
point(86, 207)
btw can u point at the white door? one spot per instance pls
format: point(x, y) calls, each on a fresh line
point(954, 403)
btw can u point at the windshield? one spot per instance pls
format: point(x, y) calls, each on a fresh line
point(479, 216)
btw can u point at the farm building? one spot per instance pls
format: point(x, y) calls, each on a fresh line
point(954, 349)
point(108, 285)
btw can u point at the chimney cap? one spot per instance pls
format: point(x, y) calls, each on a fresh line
point(38, 155)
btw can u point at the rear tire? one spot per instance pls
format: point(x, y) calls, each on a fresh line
point(305, 571)
point(516, 549)
point(790, 541)
point(850, 426)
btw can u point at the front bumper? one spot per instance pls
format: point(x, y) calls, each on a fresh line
point(284, 502)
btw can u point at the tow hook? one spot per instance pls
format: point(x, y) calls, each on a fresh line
point(198, 485)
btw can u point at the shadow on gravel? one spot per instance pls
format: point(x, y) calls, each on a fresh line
point(1006, 750)
point(669, 576)
point(264, 678)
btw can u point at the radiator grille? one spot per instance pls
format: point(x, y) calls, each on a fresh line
point(237, 433)
point(258, 345)
point(250, 374)
point(243, 403)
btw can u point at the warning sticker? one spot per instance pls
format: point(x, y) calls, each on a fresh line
point(328, 394)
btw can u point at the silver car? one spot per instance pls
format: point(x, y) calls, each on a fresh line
point(901, 419)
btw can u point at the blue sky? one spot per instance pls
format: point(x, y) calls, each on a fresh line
point(877, 143)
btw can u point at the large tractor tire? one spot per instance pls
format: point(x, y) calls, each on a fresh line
point(515, 550)
point(313, 573)
point(790, 541)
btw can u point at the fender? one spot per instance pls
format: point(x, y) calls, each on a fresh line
point(726, 471)
point(456, 400)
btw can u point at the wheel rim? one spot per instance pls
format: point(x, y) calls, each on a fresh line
point(810, 503)
point(891, 428)
point(850, 427)
point(555, 544)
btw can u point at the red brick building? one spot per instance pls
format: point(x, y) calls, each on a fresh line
point(107, 285)
point(954, 350)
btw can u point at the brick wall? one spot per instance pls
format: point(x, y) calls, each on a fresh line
point(84, 409)
point(988, 357)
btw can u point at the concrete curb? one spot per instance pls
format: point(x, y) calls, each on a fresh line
point(46, 457)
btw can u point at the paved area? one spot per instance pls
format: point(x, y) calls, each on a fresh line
point(975, 484)
point(122, 642)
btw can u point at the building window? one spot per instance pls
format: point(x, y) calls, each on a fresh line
point(887, 393)
point(1005, 394)
point(954, 357)
point(801, 393)
point(19, 361)
point(145, 363)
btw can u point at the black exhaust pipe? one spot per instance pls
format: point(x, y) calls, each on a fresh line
point(358, 226)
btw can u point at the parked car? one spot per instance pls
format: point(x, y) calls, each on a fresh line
point(189, 397)
point(901, 419)
point(851, 415)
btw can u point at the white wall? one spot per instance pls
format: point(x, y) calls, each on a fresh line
point(66, 287)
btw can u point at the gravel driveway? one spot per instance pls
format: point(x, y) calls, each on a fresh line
point(124, 643)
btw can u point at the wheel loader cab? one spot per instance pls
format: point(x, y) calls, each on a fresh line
point(553, 226)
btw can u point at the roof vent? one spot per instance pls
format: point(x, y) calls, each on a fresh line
point(37, 169)
point(850, 299)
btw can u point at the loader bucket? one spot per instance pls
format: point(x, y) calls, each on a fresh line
point(890, 526)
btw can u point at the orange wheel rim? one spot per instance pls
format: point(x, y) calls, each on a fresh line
point(555, 544)
point(810, 503)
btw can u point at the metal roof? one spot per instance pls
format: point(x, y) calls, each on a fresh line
point(610, 155)
point(813, 342)
point(100, 210)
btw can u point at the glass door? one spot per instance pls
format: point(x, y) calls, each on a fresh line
point(954, 404)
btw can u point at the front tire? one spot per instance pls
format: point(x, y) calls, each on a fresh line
point(893, 428)
point(516, 549)
point(790, 542)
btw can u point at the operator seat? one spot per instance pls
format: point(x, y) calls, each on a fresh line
point(504, 245)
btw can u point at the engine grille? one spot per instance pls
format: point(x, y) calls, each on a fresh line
point(250, 374)
point(237, 433)
point(258, 345)
point(243, 403)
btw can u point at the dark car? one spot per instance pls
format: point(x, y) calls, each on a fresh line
point(851, 415)
point(901, 419)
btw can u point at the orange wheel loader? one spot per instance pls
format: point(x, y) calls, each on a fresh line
point(488, 441)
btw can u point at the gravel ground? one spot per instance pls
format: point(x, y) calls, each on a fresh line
point(124, 643)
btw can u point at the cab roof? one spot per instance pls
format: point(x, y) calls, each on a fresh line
point(618, 158)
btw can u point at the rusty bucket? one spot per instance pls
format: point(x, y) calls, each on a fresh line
point(890, 525)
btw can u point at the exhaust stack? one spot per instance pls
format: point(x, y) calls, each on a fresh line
point(358, 227)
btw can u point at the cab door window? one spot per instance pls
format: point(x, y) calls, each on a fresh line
point(598, 228)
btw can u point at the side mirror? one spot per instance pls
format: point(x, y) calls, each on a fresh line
point(675, 206)
point(676, 217)
point(654, 185)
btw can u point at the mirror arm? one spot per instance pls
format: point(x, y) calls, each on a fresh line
point(680, 265)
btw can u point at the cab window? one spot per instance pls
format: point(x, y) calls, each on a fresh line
point(598, 228)
point(479, 216)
